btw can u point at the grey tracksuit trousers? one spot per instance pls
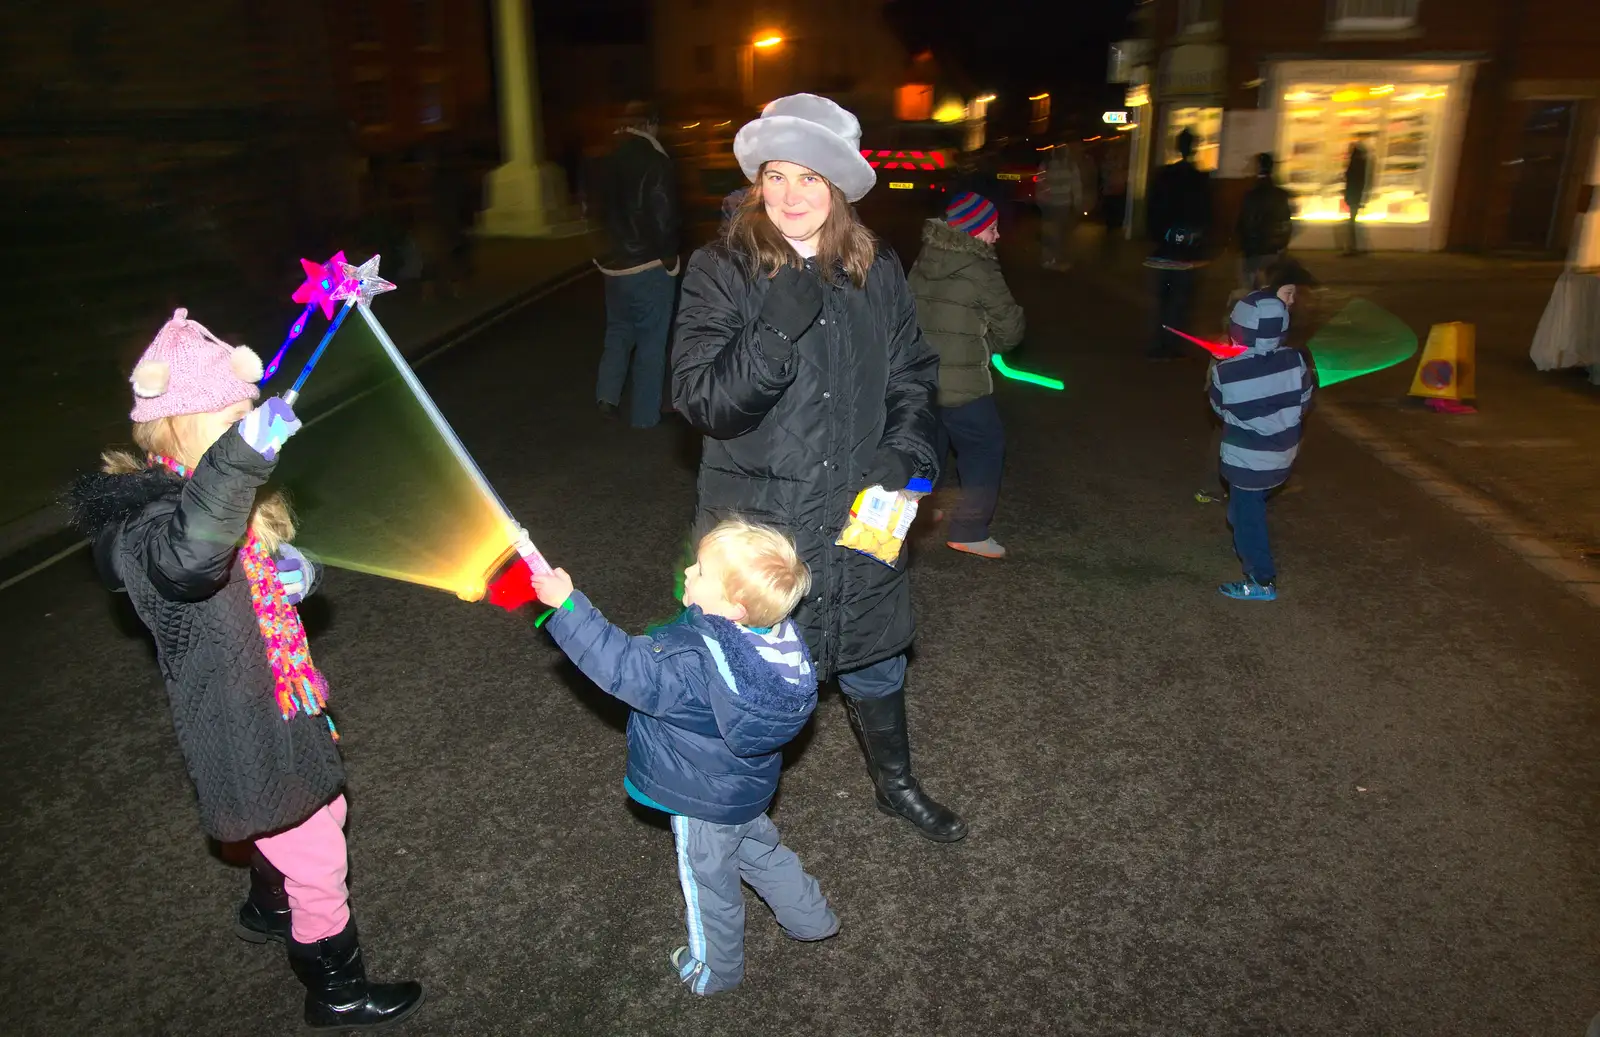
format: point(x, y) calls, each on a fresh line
point(712, 860)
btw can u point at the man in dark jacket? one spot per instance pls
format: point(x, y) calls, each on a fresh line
point(1179, 224)
point(639, 199)
point(1265, 222)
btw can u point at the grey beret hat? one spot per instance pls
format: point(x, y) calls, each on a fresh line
point(810, 131)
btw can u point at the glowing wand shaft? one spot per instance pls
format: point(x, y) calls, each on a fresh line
point(294, 332)
point(305, 372)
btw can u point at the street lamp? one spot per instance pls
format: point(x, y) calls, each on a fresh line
point(747, 61)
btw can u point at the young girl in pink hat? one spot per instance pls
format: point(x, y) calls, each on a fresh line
point(205, 558)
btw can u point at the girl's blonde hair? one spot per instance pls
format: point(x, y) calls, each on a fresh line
point(271, 520)
point(760, 569)
point(843, 241)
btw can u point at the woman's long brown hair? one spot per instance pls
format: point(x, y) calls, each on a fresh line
point(843, 241)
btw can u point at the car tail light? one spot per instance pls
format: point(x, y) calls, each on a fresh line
point(930, 161)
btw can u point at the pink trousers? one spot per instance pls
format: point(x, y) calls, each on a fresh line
point(311, 856)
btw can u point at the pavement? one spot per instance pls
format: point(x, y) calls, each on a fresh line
point(72, 399)
point(1529, 453)
point(1367, 808)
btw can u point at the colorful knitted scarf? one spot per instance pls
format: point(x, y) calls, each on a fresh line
point(297, 685)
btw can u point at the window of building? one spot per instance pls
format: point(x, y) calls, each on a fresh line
point(430, 105)
point(368, 26)
point(1199, 16)
point(700, 5)
point(372, 101)
point(1372, 15)
point(1206, 125)
point(705, 61)
point(425, 15)
point(1397, 124)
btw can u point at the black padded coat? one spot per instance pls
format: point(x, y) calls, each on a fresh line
point(172, 544)
point(790, 444)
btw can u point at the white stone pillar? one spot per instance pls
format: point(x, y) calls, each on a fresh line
point(520, 190)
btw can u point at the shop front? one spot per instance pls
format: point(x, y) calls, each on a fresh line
point(1407, 116)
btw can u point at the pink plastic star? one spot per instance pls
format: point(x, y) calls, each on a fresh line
point(321, 281)
point(361, 283)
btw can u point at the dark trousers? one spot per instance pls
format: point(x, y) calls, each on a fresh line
point(1174, 301)
point(1247, 514)
point(638, 322)
point(1353, 244)
point(880, 680)
point(979, 439)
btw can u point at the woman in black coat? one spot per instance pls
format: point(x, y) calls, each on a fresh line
point(797, 354)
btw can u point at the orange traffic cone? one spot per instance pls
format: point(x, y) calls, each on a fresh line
point(1448, 367)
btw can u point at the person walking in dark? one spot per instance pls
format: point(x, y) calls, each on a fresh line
point(1357, 174)
point(639, 199)
point(1179, 224)
point(1113, 197)
point(1265, 222)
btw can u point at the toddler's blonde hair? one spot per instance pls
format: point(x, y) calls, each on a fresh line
point(271, 519)
point(760, 569)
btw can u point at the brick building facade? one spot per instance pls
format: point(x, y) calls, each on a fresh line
point(1479, 115)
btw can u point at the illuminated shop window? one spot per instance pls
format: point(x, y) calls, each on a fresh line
point(1397, 123)
point(1206, 124)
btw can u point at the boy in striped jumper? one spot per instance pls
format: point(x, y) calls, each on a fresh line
point(1261, 396)
point(716, 695)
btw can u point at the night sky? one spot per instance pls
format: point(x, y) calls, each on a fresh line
point(1013, 47)
point(1018, 45)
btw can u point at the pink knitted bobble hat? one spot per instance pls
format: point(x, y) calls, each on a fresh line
point(188, 370)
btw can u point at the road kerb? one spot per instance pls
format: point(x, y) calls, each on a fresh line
point(1581, 579)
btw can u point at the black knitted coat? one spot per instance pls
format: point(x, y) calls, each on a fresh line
point(172, 545)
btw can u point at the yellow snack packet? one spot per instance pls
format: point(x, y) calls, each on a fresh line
point(880, 520)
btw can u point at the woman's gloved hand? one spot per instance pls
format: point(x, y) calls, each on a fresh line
point(890, 469)
point(792, 304)
point(269, 426)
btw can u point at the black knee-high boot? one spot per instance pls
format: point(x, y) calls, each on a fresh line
point(337, 991)
point(264, 915)
point(880, 724)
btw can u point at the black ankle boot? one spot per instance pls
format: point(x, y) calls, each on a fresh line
point(265, 913)
point(337, 991)
point(880, 724)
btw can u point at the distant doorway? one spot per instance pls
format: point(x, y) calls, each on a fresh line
point(1540, 166)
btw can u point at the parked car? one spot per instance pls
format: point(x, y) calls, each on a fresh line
point(914, 159)
point(1018, 165)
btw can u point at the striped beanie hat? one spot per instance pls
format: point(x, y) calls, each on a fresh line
point(972, 213)
point(1259, 321)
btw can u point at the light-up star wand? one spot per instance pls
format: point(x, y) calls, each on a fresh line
point(356, 288)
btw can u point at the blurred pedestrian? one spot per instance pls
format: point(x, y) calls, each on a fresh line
point(1060, 196)
point(798, 355)
point(1266, 223)
point(1357, 179)
point(639, 199)
point(1113, 196)
point(186, 529)
point(967, 314)
point(730, 206)
point(1179, 224)
point(1261, 395)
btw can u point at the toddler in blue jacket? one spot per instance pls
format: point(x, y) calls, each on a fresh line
point(716, 695)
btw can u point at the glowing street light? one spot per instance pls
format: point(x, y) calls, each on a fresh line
point(768, 41)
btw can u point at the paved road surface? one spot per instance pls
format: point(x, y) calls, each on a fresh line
point(1366, 809)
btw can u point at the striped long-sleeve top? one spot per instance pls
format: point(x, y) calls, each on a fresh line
point(1261, 395)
